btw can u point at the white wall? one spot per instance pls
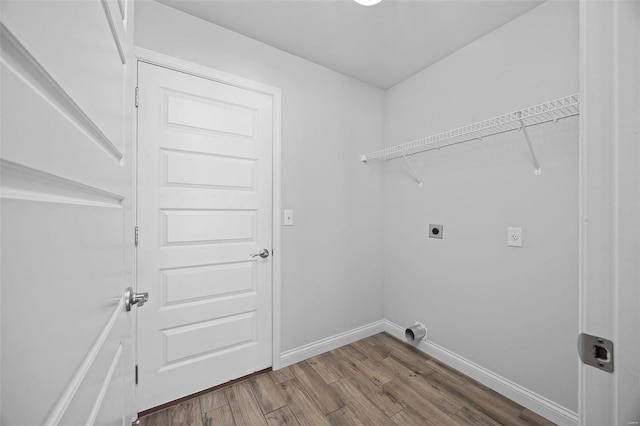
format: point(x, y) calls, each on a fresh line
point(511, 310)
point(332, 272)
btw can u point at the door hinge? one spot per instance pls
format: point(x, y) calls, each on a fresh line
point(137, 97)
point(136, 236)
point(136, 374)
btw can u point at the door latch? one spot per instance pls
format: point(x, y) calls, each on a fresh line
point(596, 351)
point(131, 298)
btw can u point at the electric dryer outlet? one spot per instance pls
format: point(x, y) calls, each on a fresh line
point(435, 231)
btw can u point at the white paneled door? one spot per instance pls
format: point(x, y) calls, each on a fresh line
point(66, 220)
point(204, 214)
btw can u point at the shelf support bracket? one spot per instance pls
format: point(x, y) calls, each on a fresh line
point(412, 171)
point(536, 165)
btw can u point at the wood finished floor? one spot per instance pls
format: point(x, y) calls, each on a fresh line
point(375, 381)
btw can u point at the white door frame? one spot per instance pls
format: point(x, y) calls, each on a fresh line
point(162, 60)
point(609, 183)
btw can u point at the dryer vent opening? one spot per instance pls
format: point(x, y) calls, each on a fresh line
point(415, 333)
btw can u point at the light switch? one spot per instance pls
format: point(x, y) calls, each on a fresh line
point(514, 237)
point(288, 218)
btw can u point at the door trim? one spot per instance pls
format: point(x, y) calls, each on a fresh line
point(608, 157)
point(170, 62)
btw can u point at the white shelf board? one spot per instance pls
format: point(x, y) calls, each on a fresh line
point(554, 110)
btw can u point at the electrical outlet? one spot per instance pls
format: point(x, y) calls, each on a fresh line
point(435, 231)
point(514, 237)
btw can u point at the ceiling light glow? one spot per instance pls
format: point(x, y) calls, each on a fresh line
point(368, 2)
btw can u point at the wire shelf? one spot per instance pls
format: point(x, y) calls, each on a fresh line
point(554, 110)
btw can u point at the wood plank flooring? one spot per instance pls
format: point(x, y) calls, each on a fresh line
point(375, 381)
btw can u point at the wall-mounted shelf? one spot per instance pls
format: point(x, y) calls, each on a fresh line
point(518, 120)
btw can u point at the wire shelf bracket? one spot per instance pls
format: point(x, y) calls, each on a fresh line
point(412, 171)
point(536, 166)
point(553, 110)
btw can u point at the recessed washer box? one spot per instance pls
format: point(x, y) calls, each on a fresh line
point(435, 231)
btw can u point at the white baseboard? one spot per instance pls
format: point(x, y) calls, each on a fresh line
point(528, 399)
point(325, 345)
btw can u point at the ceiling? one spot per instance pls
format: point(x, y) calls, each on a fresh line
point(380, 45)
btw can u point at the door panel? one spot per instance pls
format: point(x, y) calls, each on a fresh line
point(209, 170)
point(196, 113)
point(208, 227)
point(74, 42)
point(204, 206)
point(182, 284)
point(65, 201)
point(210, 336)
